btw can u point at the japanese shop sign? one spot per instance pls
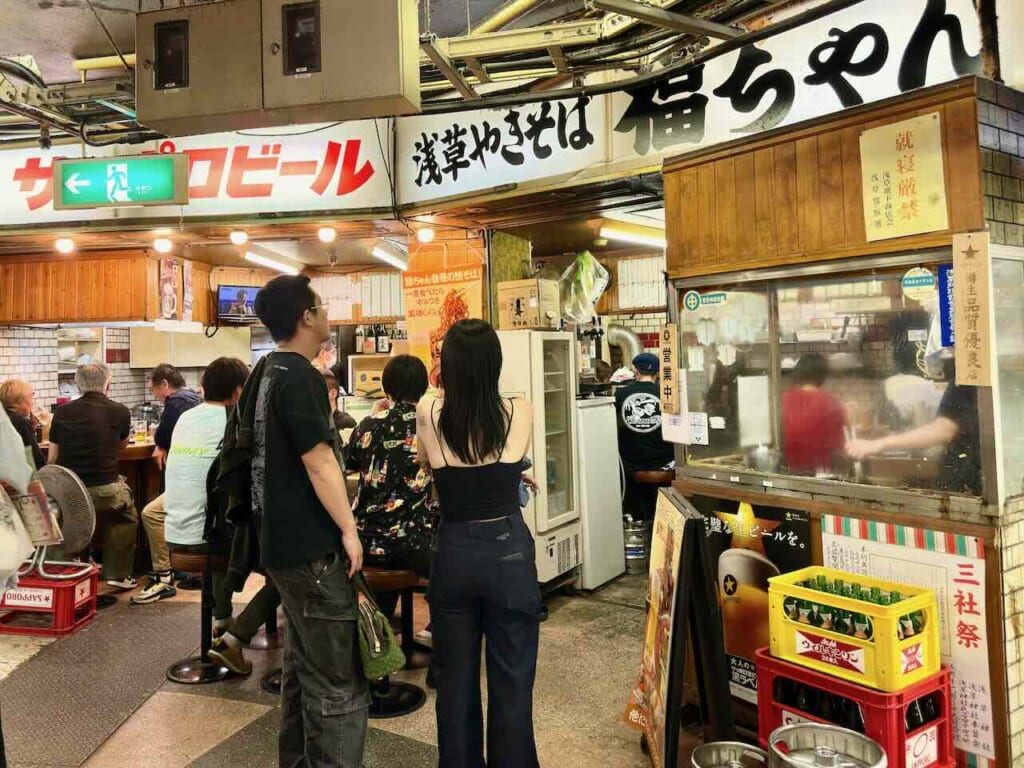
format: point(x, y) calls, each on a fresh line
point(750, 543)
point(668, 362)
point(973, 318)
point(434, 302)
point(869, 51)
point(160, 179)
point(918, 284)
point(903, 185)
point(946, 283)
point(954, 566)
point(330, 168)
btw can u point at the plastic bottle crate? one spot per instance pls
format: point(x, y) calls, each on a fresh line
point(70, 604)
point(882, 661)
point(884, 714)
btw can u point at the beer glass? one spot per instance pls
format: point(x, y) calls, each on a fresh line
point(743, 591)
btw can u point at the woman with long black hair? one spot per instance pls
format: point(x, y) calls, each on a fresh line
point(483, 580)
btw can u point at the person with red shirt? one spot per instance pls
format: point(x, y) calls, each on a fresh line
point(813, 421)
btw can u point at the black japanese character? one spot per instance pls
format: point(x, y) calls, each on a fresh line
point(486, 141)
point(745, 95)
point(833, 60)
point(914, 65)
point(580, 137)
point(454, 141)
point(662, 120)
point(536, 125)
point(427, 167)
point(513, 153)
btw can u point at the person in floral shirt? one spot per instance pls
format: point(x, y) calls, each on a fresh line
point(394, 504)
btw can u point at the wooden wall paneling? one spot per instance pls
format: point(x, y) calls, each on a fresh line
point(116, 289)
point(808, 201)
point(20, 313)
point(853, 184)
point(6, 291)
point(202, 297)
point(787, 225)
point(35, 274)
point(139, 282)
point(764, 203)
point(72, 296)
point(706, 216)
point(52, 297)
point(830, 190)
point(746, 206)
point(685, 229)
point(152, 288)
point(725, 208)
point(962, 165)
point(675, 183)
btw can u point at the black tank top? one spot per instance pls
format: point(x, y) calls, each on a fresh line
point(483, 492)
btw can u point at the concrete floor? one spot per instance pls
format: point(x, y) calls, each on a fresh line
point(589, 653)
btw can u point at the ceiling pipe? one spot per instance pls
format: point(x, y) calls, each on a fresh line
point(103, 62)
point(627, 341)
point(504, 16)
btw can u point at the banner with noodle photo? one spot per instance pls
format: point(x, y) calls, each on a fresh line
point(434, 302)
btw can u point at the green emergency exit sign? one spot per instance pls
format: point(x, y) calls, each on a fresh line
point(112, 182)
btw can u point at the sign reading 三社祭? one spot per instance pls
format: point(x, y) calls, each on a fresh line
point(112, 182)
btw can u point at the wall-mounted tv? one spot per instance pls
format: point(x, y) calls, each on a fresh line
point(235, 303)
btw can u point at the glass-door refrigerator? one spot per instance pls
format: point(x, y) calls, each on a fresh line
point(541, 366)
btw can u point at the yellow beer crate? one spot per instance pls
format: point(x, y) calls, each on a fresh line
point(886, 647)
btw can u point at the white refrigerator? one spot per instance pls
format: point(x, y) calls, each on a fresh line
point(541, 366)
point(601, 539)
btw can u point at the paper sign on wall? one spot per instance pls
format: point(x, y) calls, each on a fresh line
point(668, 366)
point(903, 184)
point(973, 318)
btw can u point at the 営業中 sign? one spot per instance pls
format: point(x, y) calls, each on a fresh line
point(111, 182)
point(667, 363)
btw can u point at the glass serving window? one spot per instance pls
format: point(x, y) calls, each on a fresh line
point(1008, 287)
point(841, 378)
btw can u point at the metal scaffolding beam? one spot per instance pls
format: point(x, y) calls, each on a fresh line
point(569, 34)
point(428, 44)
point(655, 13)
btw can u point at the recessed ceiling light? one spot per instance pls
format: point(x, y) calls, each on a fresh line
point(64, 245)
point(425, 235)
point(327, 234)
point(238, 237)
point(279, 264)
point(163, 231)
point(163, 245)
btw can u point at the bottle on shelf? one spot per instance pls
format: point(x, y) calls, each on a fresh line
point(370, 341)
point(382, 340)
point(853, 717)
point(915, 718)
point(929, 708)
point(360, 339)
point(802, 699)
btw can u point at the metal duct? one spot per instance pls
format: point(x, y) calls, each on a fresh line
point(504, 15)
point(628, 342)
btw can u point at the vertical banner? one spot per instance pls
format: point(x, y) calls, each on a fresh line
point(973, 313)
point(748, 544)
point(904, 187)
point(649, 700)
point(186, 295)
point(946, 304)
point(168, 288)
point(668, 362)
point(434, 302)
point(954, 566)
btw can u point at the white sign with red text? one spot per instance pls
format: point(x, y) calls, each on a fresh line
point(27, 597)
point(330, 168)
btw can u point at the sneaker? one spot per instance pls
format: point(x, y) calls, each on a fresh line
point(425, 638)
point(230, 657)
point(155, 590)
point(129, 582)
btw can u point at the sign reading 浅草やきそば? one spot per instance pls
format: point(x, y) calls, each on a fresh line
point(973, 312)
point(902, 178)
point(866, 52)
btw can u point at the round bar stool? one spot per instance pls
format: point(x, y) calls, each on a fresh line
point(394, 699)
point(200, 669)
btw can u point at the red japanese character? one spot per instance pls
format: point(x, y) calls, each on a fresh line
point(966, 603)
point(216, 160)
point(905, 164)
point(30, 175)
point(241, 164)
point(908, 210)
point(967, 635)
point(966, 575)
point(351, 179)
point(904, 140)
point(908, 187)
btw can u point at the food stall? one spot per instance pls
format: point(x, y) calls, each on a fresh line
point(848, 305)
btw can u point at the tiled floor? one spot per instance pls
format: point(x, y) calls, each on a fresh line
point(590, 648)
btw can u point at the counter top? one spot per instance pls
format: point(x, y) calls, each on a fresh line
point(131, 452)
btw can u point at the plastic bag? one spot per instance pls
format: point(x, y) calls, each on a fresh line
point(580, 286)
point(14, 467)
point(15, 544)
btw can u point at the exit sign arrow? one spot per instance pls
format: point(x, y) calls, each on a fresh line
point(74, 183)
point(120, 181)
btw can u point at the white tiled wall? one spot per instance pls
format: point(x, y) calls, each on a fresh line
point(128, 385)
point(30, 354)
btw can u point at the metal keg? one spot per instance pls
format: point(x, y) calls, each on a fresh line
point(813, 745)
point(638, 546)
point(728, 754)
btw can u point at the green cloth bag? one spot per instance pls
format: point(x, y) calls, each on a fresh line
point(380, 652)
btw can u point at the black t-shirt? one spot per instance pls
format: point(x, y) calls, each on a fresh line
point(638, 409)
point(89, 432)
point(176, 404)
point(293, 416)
point(961, 460)
point(28, 437)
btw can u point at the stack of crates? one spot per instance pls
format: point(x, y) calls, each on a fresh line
point(838, 658)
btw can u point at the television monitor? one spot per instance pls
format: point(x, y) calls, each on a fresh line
point(235, 303)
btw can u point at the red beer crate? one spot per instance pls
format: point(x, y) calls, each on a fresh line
point(70, 604)
point(884, 715)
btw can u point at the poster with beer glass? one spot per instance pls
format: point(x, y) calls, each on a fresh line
point(750, 543)
point(649, 701)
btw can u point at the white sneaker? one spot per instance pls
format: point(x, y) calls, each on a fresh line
point(425, 638)
point(128, 582)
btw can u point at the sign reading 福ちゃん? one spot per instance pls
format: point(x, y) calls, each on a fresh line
point(325, 168)
point(866, 52)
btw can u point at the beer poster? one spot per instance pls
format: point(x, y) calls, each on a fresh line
point(434, 302)
point(748, 544)
point(649, 700)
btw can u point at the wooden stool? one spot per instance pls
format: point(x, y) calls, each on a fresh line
point(392, 699)
point(200, 669)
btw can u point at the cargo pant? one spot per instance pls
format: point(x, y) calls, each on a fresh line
point(117, 523)
point(325, 698)
point(154, 517)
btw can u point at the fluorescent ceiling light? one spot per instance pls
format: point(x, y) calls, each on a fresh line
point(391, 255)
point(280, 265)
point(239, 237)
point(64, 245)
point(634, 234)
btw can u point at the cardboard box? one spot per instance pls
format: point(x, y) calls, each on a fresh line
point(528, 304)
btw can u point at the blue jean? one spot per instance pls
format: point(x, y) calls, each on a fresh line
point(483, 585)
